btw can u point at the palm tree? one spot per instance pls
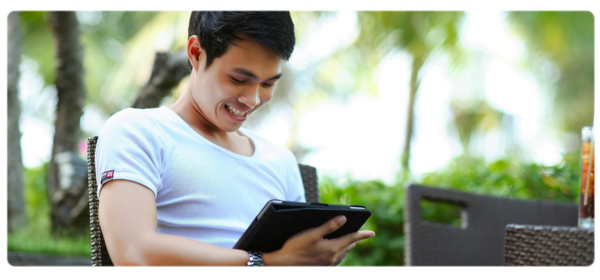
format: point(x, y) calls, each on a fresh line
point(67, 197)
point(417, 33)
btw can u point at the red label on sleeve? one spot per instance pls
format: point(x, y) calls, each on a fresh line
point(106, 175)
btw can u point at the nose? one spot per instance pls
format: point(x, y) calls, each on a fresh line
point(251, 98)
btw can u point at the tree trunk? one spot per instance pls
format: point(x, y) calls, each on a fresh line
point(168, 70)
point(414, 87)
point(67, 189)
point(16, 203)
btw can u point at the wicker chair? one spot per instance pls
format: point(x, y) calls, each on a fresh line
point(100, 256)
point(530, 245)
point(481, 240)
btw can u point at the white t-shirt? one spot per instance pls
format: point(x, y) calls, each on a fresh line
point(202, 191)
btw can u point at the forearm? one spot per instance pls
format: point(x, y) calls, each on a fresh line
point(168, 250)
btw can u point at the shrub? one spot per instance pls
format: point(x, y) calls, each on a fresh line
point(505, 178)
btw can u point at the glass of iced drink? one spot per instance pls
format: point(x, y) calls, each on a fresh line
point(586, 196)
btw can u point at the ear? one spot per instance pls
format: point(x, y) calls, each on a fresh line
point(195, 52)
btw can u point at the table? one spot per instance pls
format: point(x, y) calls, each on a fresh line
point(531, 245)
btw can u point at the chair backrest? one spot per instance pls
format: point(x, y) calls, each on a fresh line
point(100, 256)
point(481, 241)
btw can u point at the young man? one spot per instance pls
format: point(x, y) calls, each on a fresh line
point(179, 185)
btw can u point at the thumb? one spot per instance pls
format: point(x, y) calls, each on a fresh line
point(330, 226)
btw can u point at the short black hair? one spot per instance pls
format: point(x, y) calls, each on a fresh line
point(217, 30)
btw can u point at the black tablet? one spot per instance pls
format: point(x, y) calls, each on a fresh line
point(279, 220)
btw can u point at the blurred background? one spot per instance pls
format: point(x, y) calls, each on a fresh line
point(487, 102)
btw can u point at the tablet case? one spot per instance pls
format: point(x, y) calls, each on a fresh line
point(279, 220)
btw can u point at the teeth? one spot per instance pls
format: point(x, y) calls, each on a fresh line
point(235, 111)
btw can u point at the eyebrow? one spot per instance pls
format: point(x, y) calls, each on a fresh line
point(251, 75)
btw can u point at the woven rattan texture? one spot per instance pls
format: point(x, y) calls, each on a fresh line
point(100, 256)
point(310, 181)
point(529, 245)
point(481, 242)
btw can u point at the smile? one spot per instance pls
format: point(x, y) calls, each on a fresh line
point(234, 111)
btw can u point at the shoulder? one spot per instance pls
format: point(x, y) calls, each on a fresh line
point(132, 120)
point(130, 126)
point(131, 117)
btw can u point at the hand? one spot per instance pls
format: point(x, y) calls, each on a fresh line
point(344, 255)
point(310, 248)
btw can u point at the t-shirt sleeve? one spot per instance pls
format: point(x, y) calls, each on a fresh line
point(295, 190)
point(128, 149)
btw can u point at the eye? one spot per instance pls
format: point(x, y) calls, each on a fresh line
point(267, 85)
point(236, 81)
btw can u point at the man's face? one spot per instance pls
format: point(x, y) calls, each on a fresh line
point(235, 84)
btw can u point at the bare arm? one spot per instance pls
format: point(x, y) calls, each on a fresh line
point(127, 215)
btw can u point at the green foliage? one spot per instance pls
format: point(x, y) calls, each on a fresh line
point(38, 237)
point(504, 178)
point(418, 33)
point(386, 204)
point(512, 179)
point(38, 43)
point(36, 196)
point(105, 39)
point(561, 53)
point(441, 212)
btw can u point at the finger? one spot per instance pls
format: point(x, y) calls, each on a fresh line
point(329, 226)
point(348, 248)
point(354, 237)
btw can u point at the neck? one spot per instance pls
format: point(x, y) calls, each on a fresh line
point(189, 111)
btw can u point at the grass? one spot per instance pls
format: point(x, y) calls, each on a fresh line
point(37, 238)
